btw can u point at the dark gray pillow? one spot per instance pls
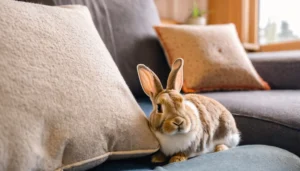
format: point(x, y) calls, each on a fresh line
point(126, 27)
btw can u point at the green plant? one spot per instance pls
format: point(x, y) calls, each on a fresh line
point(196, 12)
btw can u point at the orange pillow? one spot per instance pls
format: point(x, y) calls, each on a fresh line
point(214, 57)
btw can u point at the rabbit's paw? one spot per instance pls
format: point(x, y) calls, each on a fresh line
point(221, 147)
point(179, 157)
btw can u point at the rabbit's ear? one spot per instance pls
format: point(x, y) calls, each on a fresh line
point(149, 81)
point(175, 79)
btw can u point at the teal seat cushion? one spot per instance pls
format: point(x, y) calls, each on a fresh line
point(242, 158)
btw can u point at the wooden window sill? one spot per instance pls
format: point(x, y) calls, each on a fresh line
point(168, 21)
point(281, 46)
point(251, 47)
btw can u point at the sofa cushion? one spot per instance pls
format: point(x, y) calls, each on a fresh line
point(280, 69)
point(63, 101)
point(126, 27)
point(243, 158)
point(263, 117)
point(214, 58)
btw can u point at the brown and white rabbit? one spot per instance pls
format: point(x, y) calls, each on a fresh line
point(185, 125)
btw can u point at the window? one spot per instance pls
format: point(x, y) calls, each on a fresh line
point(262, 25)
point(278, 21)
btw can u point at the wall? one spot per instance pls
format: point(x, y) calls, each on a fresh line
point(178, 10)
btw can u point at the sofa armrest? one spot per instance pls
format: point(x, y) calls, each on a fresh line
point(280, 69)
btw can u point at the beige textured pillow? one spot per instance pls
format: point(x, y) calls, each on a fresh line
point(63, 103)
point(213, 55)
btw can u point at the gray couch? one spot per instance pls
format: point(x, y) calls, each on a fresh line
point(269, 120)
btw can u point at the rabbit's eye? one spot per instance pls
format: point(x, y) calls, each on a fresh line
point(159, 109)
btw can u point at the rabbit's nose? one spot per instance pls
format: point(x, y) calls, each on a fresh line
point(178, 121)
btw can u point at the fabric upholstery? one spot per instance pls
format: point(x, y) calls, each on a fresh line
point(45, 2)
point(263, 117)
point(242, 158)
point(271, 117)
point(280, 69)
point(126, 27)
point(63, 102)
point(213, 55)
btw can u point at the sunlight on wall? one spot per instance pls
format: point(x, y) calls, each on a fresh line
point(178, 10)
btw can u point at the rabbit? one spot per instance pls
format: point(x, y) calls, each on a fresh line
point(185, 125)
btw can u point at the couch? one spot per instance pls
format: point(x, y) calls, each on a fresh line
point(268, 120)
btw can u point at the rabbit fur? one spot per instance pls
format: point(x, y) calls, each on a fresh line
point(185, 125)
